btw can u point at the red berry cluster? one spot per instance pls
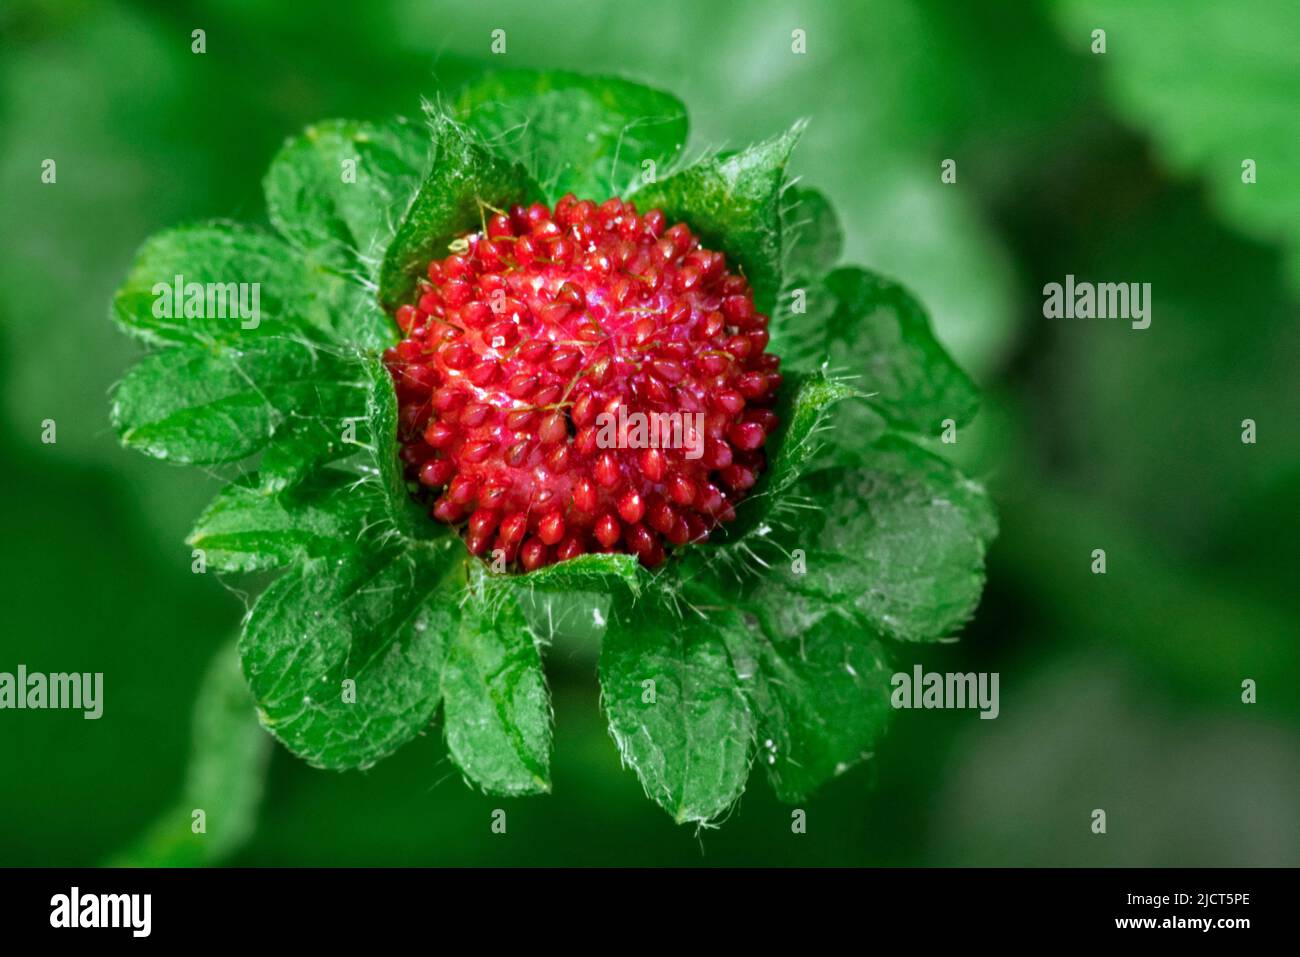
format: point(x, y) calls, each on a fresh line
point(535, 326)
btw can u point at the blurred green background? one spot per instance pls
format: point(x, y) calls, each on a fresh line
point(1119, 692)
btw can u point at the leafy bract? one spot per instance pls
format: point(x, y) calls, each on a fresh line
point(245, 529)
point(305, 442)
point(344, 655)
point(675, 707)
point(497, 706)
point(585, 571)
point(221, 404)
point(812, 235)
point(338, 190)
point(594, 136)
point(898, 540)
point(574, 617)
point(819, 682)
point(223, 282)
point(807, 402)
point(464, 184)
point(397, 510)
point(733, 203)
point(878, 336)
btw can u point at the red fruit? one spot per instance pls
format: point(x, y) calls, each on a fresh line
point(533, 555)
point(551, 528)
point(583, 378)
point(608, 531)
point(569, 548)
point(585, 496)
point(513, 527)
point(436, 472)
point(631, 506)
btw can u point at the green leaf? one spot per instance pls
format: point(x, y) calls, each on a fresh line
point(900, 539)
point(381, 621)
point(676, 708)
point(338, 190)
point(586, 135)
point(206, 406)
point(496, 705)
point(246, 530)
point(819, 683)
point(358, 319)
point(399, 510)
point(571, 600)
point(1238, 104)
point(585, 571)
point(804, 410)
point(801, 314)
point(280, 295)
point(848, 431)
point(734, 204)
point(464, 179)
point(576, 618)
point(301, 445)
point(229, 752)
point(807, 401)
point(813, 236)
point(878, 335)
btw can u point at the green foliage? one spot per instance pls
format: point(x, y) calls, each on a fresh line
point(733, 203)
point(1238, 104)
point(466, 181)
point(333, 191)
point(223, 781)
point(729, 653)
point(586, 135)
point(304, 443)
point(879, 336)
point(676, 709)
point(396, 510)
point(586, 571)
point(807, 406)
point(810, 399)
point(200, 406)
point(245, 529)
point(813, 235)
point(819, 682)
point(898, 540)
point(294, 297)
point(497, 705)
point(344, 655)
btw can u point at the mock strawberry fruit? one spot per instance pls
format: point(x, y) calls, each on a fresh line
point(583, 379)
